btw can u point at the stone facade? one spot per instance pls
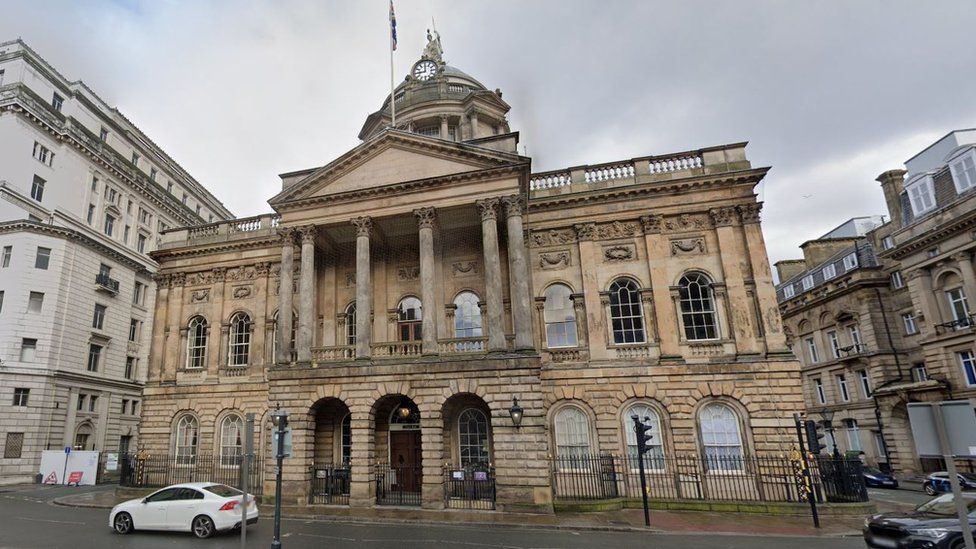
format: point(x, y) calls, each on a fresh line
point(434, 277)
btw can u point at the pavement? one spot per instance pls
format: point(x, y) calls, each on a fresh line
point(29, 518)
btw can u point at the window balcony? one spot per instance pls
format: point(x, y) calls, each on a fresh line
point(106, 283)
point(851, 351)
point(396, 349)
point(961, 325)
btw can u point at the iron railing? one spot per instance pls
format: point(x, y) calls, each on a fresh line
point(471, 487)
point(398, 484)
point(107, 282)
point(963, 323)
point(330, 484)
point(156, 471)
point(713, 478)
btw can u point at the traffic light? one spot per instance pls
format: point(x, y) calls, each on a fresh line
point(642, 431)
point(815, 437)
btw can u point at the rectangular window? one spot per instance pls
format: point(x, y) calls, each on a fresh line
point(103, 134)
point(850, 261)
point(135, 159)
point(57, 102)
point(821, 395)
point(130, 367)
point(964, 171)
point(43, 258)
point(133, 329)
point(5, 259)
point(184, 199)
point(897, 281)
point(137, 293)
point(37, 188)
point(842, 385)
point(830, 271)
point(91, 214)
point(812, 351)
point(141, 243)
point(169, 187)
point(1, 301)
point(879, 445)
point(198, 209)
point(98, 318)
point(834, 343)
point(43, 155)
point(35, 302)
point(125, 235)
point(807, 282)
point(28, 349)
point(921, 194)
point(109, 224)
point(92, 403)
point(788, 291)
point(958, 305)
point(21, 395)
point(152, 174)
point(14, 445)
point(143, 216)
point(887, 243)
point(862, 376)
point(135, 407)
point(94, 354)
point(908, 319)
point(125, 406)
point(968, 362)
point(855, 334)
point(81, 402)
point(920, 372)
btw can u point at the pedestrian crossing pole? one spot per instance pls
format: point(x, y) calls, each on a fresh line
point(805, 464)
point(245, 472)
point(641, 430)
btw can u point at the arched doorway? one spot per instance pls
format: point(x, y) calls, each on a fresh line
point(468, 444)
point(331, 452)
point(398, 474)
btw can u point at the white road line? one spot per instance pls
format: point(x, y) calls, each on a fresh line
point(55, 521)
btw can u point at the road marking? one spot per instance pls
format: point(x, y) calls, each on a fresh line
point(55, 521)
point(325, 537)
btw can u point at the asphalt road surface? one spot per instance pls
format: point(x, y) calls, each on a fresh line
point(28, 519)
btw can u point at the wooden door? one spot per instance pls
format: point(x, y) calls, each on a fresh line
point(405, 459)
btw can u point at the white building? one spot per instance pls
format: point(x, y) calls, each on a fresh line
point(84, 196)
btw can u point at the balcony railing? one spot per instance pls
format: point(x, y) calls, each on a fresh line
point(852, 350)
point(107, 283)
point(965, 323)
point(620, 170)
point(338, 352)
point(453, 346)
point(462, 345)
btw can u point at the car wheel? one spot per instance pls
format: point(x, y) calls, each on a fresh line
point(203, 527)
point(929, 489)
point(123, 523)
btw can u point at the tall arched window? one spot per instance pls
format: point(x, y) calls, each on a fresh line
point(187, 429)
point(721, 437)
point(274, 335)
point(697, 307)
point(345, 442)
point(231, 437)
point(239, 348)
point(473, 444)
point(626, 315)
point(572, 433)
point(467, 315)
point(351, 324)
point(409, 317)
point(196, 343)
point(654, 458)
point(560, 317)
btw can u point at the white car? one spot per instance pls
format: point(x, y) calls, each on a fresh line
point(203, 508)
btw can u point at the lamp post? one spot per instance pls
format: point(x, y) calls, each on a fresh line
point(516, 412)
point(280, 420)
point(828, 423)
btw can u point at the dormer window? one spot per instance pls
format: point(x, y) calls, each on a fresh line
point(430, 131)
point(921, 194)
point(807, 282)
point(963, 168)
point(850, 261)
point(788, 291)
point(830, 271)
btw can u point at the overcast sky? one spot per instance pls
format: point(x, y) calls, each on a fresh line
point(830, 94)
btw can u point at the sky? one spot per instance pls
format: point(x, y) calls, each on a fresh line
point(829, 94)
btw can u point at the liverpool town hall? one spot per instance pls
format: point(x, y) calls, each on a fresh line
point(425, 307)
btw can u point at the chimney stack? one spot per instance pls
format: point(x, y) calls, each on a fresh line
point(893, 183)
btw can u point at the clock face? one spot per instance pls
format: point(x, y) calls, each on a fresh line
point(424, 70)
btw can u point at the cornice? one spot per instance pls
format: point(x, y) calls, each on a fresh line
point(191, 249)
point(817, 300)
point(73, 235)
point(932, 236)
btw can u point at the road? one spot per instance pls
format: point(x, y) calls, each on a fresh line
point(30, 520)
point(897, 499)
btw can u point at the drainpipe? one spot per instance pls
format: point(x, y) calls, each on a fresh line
point(901, 376)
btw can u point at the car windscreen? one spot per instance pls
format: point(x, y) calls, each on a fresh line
point(872, 471)
point(944, 506)
point(223, 490)
point(968, 476)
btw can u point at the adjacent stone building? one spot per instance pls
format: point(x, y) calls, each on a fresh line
point(402, 296)
point(905, 285)
point(84, 196)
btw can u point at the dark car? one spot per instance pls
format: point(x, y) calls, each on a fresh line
point(932, 525)
point(938, 483)
point(876, 478)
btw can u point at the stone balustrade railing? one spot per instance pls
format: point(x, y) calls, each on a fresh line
point(674, 164)
point(338, 352)
point(608, 173)
point(634, 351)
point(623, 170)
point(462, 345)
point(184, 235)
point(397, 348)
point(549, 180)
point(572, 354)
point(707, 349)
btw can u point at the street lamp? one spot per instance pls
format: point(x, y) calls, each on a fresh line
point(279, 418)
point(516, 412)
point(828, 419)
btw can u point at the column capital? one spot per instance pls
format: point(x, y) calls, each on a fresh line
point(178, 279)
point(363, 224)
point(218, 273)
point(750, 212)
point(488, 208)
point(425, 217)
point(724, 217)
point(962, 257)
point(307, 233)
point(514, 204)
point(444, 118)
point(585, 231)
point(287, 235)
point(651, 223)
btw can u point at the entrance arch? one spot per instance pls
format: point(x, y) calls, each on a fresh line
point(331, 451)
point(467, 431)
point(399, 474)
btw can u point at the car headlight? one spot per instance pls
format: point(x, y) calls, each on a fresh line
point(867, 522)
point(934, 533)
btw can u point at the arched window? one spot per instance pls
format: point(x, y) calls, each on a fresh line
point(572, 429)
point(853, 436)
point(346, 439)
point(697, 307)
point(231, 437)
point(186, 440)
point(240, 339)
point(654, 458)
point(274, 335)
point(467, 315)
point(351, 324)
point(196, 343)
point(626, 316)
point(473, 445)
point(721, 438)
point(560, 317)
point(409, 317)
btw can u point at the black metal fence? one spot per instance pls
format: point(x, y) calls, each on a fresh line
point(398, 484)
point(469, 488)
point(714, 478)
point(156, 471)
point(330, 484)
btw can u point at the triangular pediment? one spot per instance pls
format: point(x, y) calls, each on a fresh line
point(391, 158)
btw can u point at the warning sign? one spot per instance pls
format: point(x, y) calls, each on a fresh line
point(51, 479)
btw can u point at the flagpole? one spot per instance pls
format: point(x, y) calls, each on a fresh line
point(392, 97)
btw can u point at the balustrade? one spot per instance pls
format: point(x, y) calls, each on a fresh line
point(549, 181)
point(608, 173)
point(338, 352)
point(634, 351)
point(674, 164)
point(462, 345)
point(706, 349)
point(397, 348)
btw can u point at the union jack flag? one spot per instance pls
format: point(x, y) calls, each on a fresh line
point(393, 38)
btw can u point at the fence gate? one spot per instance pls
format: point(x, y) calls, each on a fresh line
point(330, 485)
point(469, 488)
point(398, 484)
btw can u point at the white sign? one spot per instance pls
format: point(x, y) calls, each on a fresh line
point(111, 462)
point(79, 467)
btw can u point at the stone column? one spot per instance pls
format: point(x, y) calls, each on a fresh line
point(175, 350)
point(473, 120)
point(665, 313)
point(965, 263)
point(157, 347)
point(740, 322)
point(445, 130)
point(364, 293)
point(217, 347)
point(768, 307)
point(306, 294)
point(920, 287)
point(361, 488)
point(596, 321)
point(285, 289)
point(493, 274)
point(259, 334)
point(518, 273)
point(432, 459)
point(428, 286)
point(67, 437)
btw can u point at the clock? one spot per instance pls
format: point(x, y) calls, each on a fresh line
point(425, 69)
